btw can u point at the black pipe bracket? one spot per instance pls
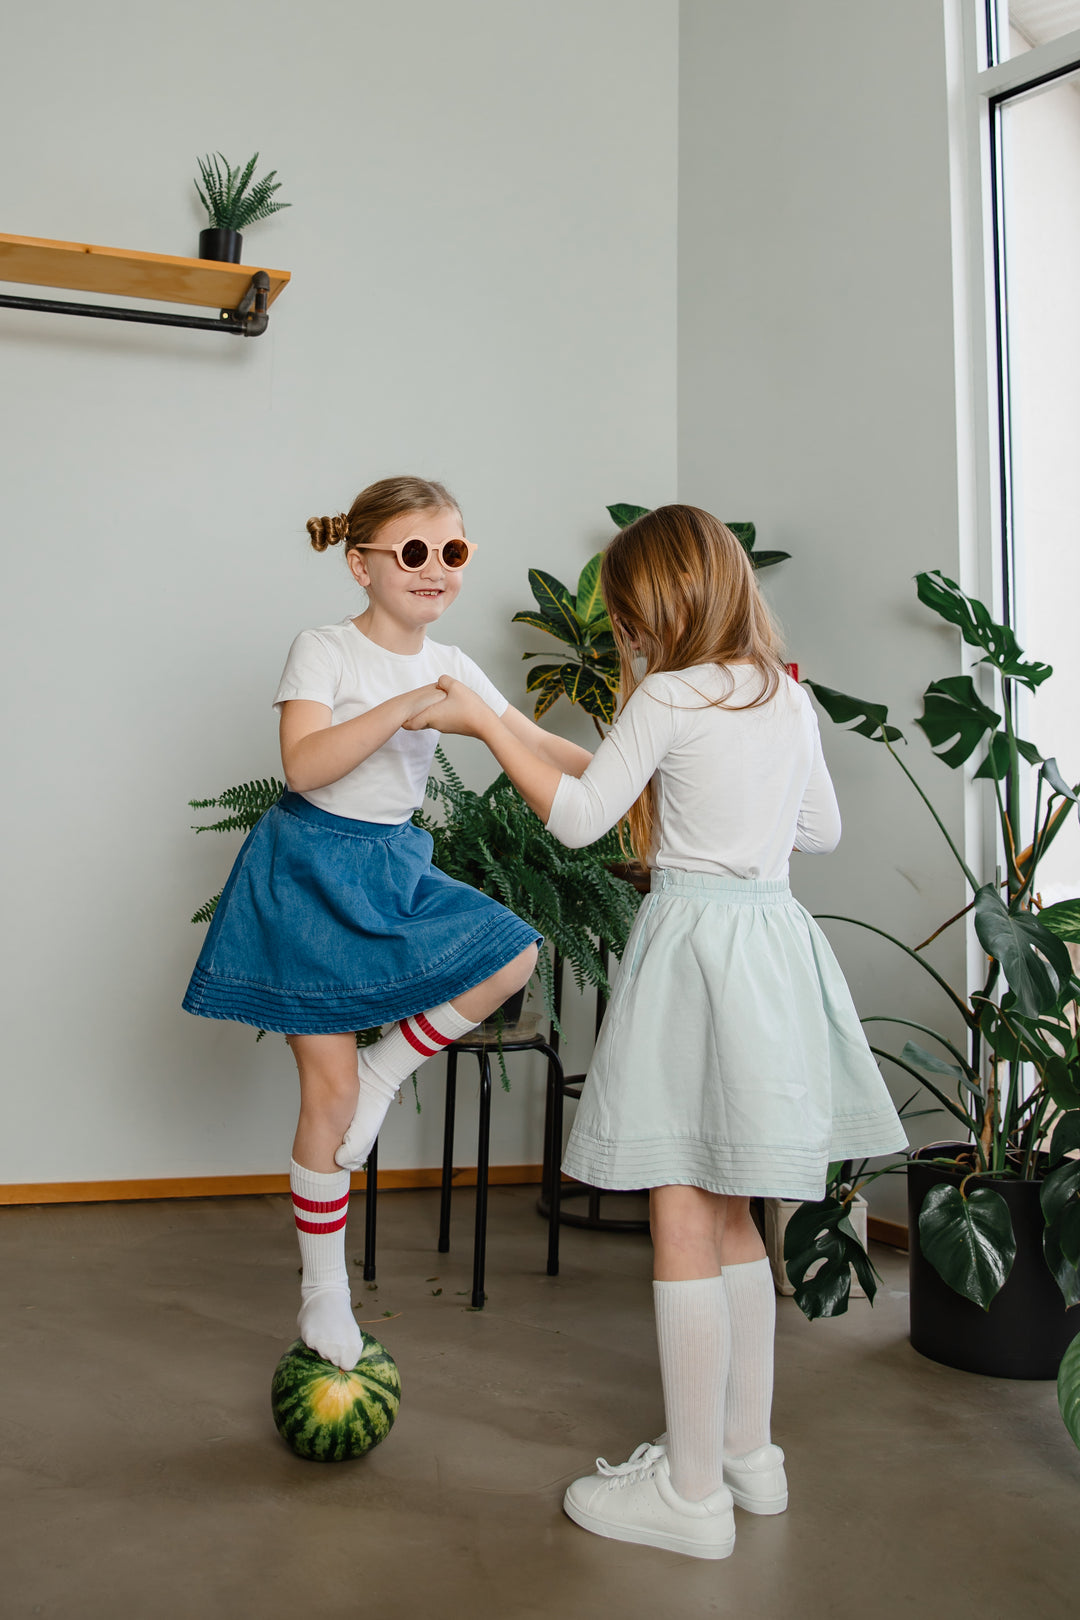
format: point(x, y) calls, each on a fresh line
point(249, 319)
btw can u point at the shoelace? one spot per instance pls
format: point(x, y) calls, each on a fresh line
point(634, 1468)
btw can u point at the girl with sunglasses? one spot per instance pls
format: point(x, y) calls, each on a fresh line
point(333, 918)
point(731, 1062)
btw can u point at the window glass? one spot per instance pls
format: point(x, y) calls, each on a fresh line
point(1040, 147)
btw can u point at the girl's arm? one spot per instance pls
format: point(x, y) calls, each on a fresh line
point(315, 753)
point(467, 715)
point(818, 827)
point(565, 756)
point(577, 812)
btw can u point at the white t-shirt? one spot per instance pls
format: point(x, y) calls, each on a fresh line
point(735, 789)
point(339, 666)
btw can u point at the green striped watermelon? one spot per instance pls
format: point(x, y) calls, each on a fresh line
point(329, 1415)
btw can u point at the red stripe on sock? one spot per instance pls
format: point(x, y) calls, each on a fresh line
point(316, 1226)
point(414, 1040)
point(315, 1208)
point(431, 1032)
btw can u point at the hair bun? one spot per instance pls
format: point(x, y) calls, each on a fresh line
point(328, 531)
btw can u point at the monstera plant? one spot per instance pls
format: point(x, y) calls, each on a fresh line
point(1011, 1084)
point(590, 676)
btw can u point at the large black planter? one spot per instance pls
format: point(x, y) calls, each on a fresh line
point(224, 246)
point(1027, 1329)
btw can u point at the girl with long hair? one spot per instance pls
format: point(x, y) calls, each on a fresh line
point(731, 1063)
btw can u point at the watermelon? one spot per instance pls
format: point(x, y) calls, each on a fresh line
point(329, 1415)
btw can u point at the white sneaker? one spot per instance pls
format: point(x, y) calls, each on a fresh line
point(757, 1481)
point(634, 1501)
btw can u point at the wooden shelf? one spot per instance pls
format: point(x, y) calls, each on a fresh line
point(83, 267)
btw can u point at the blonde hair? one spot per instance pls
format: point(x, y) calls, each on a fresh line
point(376, 505)
point(680, 591)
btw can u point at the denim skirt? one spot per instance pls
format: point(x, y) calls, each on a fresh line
point(328, 925)
point(731, 1057)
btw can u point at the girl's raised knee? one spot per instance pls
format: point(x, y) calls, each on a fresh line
point(525, 964)
point(516, 973)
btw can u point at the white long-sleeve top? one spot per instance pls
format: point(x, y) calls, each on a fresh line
point(736, 789)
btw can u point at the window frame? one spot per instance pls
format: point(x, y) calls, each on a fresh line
point(979, 87)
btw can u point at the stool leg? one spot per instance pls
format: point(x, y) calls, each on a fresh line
point(552, 1154)
point(448, 1151)
point(549, 1105)
point(370, 1198)
point(483, 1145)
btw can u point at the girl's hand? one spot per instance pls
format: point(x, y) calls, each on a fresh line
point(461, 712)
point(419, 702)
point(315, 752)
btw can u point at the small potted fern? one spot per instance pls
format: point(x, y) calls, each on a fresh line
point(232, 202)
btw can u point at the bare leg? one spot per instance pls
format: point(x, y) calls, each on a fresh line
point(696, 1233)
point(328, 1088)
point(383, 1066)
point(476, 1004)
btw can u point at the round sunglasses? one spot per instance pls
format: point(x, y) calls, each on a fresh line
point(412, 554)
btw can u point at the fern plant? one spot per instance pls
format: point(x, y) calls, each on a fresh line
point(245, 805)
point(493, 841)
point(224, 193)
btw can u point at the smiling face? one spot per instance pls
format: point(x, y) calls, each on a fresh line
point(404, 603)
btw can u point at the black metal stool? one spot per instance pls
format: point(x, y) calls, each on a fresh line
point(481, 1043)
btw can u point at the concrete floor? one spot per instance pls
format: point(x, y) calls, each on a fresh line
point(141, 1477)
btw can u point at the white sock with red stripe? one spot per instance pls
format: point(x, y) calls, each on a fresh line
point(383, 1067)
point(321, 1209)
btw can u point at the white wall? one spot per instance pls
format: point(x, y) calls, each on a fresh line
point(482, 243)
point(816, 397)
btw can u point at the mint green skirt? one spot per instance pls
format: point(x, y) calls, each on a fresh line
point(731, 1057)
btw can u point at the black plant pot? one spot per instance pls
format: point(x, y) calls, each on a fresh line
point(224, 246)
point(1027, 1329)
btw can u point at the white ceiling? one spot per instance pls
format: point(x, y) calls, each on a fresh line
point(1042, 20)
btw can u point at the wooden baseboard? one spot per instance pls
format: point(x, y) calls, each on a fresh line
point(895, 1233)
point(98, 1192)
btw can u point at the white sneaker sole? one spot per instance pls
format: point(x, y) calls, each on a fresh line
point(648, 1538)
point(757, 1504)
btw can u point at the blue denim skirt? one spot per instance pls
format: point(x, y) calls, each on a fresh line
point(328, 925)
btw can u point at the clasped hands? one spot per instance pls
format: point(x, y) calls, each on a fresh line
point(450, 707)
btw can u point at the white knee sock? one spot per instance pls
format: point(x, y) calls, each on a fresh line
point(751, 1299)
point(382, 1068)
point(692, 1334)
point(326, 1320)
